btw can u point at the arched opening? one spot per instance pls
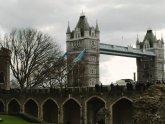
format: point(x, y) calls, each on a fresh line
point(13, 107)
point(31, 108)
point(2, 107)
point(50, 111)
point(71, 112)
point(122, 112)
point(95, 111)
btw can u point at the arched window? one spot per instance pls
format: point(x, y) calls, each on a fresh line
point(13, 107)
point(71, 112)
point(31, 108)
point(50, 111)
point(95, 111)
point(122, 112)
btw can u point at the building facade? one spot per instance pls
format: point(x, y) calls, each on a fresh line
point(151, 68)
point(85, 72)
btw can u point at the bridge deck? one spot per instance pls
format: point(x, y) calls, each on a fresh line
point(124, 51)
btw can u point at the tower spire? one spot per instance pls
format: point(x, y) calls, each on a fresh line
point(68, 29)
point(162, 38)
point(137, 40)
point(97, 27)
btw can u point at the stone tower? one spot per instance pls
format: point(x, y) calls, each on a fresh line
point(4, 68)
point(85, 72)
point(151, 68)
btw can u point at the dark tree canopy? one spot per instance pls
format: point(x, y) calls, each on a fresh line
point(33, 54)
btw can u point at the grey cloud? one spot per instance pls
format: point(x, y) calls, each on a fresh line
point(30, 13)
point(117, 18)
point(124, 19)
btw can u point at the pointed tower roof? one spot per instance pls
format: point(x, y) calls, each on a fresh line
point(68, 29)
point(150, 37)
point(162, 40)
point(137, 40)
point(82, 23)
point(97, 27)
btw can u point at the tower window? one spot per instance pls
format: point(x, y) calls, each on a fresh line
point(92, 82)
point(76, 44)
point(93, 43)
point(92, 71)
point(92, 58)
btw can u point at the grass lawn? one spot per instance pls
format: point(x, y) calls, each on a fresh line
point(8, 119)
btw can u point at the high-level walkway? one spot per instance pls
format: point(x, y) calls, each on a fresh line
point(124, 51)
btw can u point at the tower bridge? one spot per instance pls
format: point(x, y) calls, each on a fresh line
point(83, 102)
point(149, 54)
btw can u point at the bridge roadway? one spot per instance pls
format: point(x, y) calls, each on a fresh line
point(125, 51)
point(75, 105)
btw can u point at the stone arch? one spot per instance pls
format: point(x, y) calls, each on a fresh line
point(2, 106)
point(71, 109)
point(50, 98)
point(72, 99)
point(31, 107)
point(95, 97)
point(122, 111)
point(14, 106)
point(50, 110)
point(95, 108)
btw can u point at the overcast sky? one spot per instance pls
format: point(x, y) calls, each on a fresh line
point(119, 21)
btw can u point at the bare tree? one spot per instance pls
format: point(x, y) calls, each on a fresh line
point(57, 75)
point(33, 54)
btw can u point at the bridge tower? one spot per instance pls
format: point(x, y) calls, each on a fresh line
point(151, 68)
point(86, 71)
point(4, 68)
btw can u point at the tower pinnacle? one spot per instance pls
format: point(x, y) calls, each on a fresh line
point(162, 38)
point(137, 40)
point(97, 27)
point(68, 29)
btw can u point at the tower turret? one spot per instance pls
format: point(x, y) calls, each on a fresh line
point(137, 42)
point(83, 26)
point(68, 32)
point(149, 37)
point(151, 68)
point(97, 30)
point(162, 40)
